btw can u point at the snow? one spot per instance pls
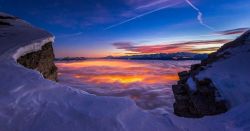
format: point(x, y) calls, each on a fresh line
point(30, 103)
point(36, 46)
point(191, 84)
point(232, 75)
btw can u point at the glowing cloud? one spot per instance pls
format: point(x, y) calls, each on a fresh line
point(123, 72)
point(233, 31)
point(203, 46)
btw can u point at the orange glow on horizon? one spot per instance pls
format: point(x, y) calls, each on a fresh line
point(100, 63)
point(126, 72)
point(127, 79)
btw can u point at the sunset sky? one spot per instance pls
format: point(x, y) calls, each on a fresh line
point(96, 28)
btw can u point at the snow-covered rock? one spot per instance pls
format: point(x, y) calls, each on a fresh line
point(229, 69)
point(221, 81)
point(41, 60)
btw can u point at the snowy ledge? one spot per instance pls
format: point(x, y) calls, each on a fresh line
point(36, 46)
point(191, 84)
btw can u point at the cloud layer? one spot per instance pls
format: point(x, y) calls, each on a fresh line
point(146, 82)
point(202, 46)
point(233, 31)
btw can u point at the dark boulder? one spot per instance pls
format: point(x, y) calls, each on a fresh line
point(201, 102)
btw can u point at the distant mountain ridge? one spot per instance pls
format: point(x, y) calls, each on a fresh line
point(70, 59)
point(164, 56)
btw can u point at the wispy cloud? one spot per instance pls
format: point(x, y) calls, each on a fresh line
point(70, 35)
point(233, 31)
point(152, 4)
point(208, 49)
point(138, 16)
point(158, 6)
point(199, 16)
point(202, 46)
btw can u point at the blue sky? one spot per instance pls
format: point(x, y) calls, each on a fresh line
point(94, 28)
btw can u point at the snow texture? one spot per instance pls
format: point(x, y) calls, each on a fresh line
point(32, 47)
point(191, 84)
point(232, 75)
point(31, 103)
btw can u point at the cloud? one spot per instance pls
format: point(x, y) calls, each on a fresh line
point(70, 35)
point(233, 31)
point(152, 4)
point(150, 7)
point(205, 50)
point(138, 16)
point(199, 16)
point(202, 46)
point(123, 45)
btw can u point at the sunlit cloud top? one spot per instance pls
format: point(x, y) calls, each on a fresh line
point(191, 46)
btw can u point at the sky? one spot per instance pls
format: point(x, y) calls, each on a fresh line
point(97, 28)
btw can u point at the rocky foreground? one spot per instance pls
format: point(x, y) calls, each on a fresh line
point(198, 97)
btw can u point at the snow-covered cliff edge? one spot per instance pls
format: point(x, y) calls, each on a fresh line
point(31, 47)
point(221, 81)
point(42, 61)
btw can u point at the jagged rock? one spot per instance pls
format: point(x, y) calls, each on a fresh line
point(205, 99)
point(7, 17)
point(42, 61)
point(5, 23)
point(195, 67)
point(178, 89)
point(183, 74)
point(183, 77)
point(199, 103)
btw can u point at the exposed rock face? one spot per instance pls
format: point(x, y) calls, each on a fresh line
point(42, 61)
point(205, 99)
point(3, 22)
point(197, 103)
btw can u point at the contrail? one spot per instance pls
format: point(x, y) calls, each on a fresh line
point(138, 16)
point(199, 16)
point(152, 4)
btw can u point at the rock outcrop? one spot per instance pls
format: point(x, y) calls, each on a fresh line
point(204, 100)
point(199, 97)
point(42, 61)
